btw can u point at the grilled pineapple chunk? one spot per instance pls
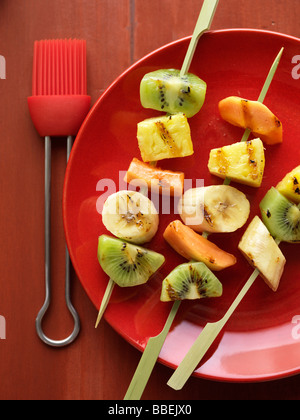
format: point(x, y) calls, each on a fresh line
point(290, 185)
point(164, 137)
point(263, 253)
point(243, 162)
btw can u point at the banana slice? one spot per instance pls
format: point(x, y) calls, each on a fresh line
point(217, 208)
point(131, 216)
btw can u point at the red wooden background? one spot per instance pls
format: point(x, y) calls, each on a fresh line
point(100, 364)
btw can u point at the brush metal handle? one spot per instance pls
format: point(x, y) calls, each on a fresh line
point(43, 310)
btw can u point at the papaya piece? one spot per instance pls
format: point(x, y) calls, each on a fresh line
point(193, 246)
point(252, 115)
point(164, 181)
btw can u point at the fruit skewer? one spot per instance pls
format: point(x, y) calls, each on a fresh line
point(212, 330)
point(154, 345)
point(203, 24)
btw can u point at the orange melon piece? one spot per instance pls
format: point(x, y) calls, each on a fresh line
point(193, 246)
point(253, 115)
point(165, 181)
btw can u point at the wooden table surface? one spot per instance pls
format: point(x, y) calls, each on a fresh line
point(100, 364)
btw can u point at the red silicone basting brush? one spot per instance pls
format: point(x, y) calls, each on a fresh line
point(58, 106)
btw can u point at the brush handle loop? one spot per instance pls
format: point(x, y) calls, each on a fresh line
point(57, 115)
point(43, 310)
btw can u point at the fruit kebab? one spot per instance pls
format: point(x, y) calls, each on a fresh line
point(190, 97)
point(259, 244)
point(184, 99)
point(250, 113)
point(155, 344)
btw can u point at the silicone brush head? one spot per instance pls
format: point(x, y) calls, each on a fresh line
point(59, 101)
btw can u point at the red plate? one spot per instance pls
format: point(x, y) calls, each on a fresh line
point(262, 339)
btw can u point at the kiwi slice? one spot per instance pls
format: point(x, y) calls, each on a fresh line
point(165, 90)
point(190, 281)
point(125, 263)
point(281, 216)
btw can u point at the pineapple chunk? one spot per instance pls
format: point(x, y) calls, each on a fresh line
point(263, 253)
point(164, 137)
point(243, 162)
point(290, 185)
